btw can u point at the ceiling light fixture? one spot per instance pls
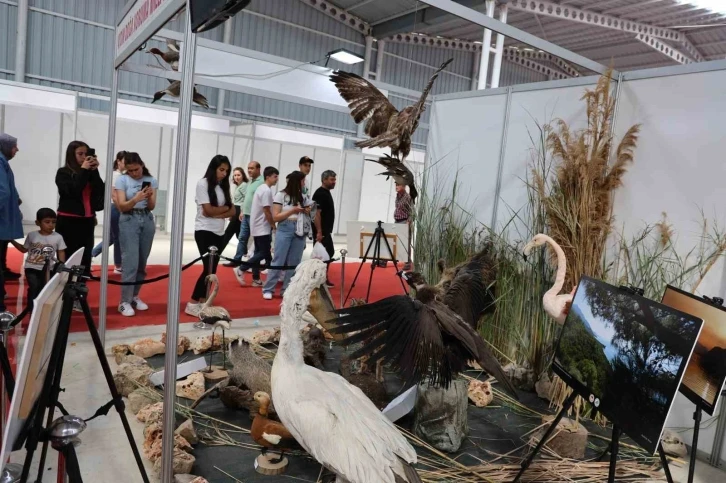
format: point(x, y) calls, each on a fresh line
point(344, 56)
point(716, 6)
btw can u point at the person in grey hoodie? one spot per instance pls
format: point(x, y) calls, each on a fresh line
point(11, 220)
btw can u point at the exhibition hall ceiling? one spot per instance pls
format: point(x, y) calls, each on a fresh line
point(606, 31)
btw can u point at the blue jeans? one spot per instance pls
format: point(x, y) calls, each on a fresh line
point(244, 238)
point(115, 214)
point(289, 250)
point(136, 233)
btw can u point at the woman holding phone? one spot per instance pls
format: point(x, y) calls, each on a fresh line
point(135, 198)
point(81, 191)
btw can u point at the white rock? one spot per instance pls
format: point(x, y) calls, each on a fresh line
point(192, 387)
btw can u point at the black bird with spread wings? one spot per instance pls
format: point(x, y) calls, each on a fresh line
point(430, 337)
point(386, 126)
point(400, 173)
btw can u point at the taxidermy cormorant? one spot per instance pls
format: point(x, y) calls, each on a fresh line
point(171, 56)
point(386, 126)
point(400, 173)
point(173, 91)
point(432, 336)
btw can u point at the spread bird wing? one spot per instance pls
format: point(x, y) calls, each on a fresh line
point(172, 45)
point(404, 332)
point(395, 169)
point(343, 430)
point(420, 106)
point(365, 102)
point(469, 295)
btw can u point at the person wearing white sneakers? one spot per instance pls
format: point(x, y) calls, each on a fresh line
point(136, 197)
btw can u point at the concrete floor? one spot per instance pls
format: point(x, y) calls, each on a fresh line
point(105, 455)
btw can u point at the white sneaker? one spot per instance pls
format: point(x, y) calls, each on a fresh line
point(126, 309)
point(139, 304)
point(193, 309)
point(118, 270)
point(267, 295)
point(239, 275)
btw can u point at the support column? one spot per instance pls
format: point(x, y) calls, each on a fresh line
point(485, 49)
point(379, 60)
point(227, 39)
point(181, 166)
point(367, 56)
point(475, 70)
point(21, 41)
point(496, 71)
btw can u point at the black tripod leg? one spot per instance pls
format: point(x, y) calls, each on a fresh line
point(73, 469)
point(45, 401)
point(565, 407)
point(694, 445)
point(360, 267)
point(7, 372)
point(376, 260)
point(664, 462)
point(118, 402)
point(614, 453)
point(395, 264)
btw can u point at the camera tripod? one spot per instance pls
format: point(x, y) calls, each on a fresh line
point(375, 244)
point(62, 432)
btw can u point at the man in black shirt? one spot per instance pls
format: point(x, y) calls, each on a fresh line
point(326, 208)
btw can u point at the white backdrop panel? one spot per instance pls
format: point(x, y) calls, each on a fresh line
point(141, 138)
point(267, 153)
point(39, 138)
point(241, 155)
point(350, 190)
point(167, 142)
point(325, 159)
point(529, 109)
point(225, 145)
point(202, 148)
point(291, 154)
point(377, 195)
point(465, 138)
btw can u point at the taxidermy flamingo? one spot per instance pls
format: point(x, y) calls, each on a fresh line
point(331, 419)
point(217, 317)
point(556, 305)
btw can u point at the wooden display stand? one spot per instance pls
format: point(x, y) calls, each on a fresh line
point(265, 467)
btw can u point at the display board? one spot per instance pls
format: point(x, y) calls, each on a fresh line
point(705, 374)
point(359, 234)
point(33, 363)
point(626, 355)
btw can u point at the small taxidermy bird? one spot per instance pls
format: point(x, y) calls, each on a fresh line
point(400, 173)
point(430, 337)
point(173, 91)
point(386, 126)
point(268, 433)
point(171, 56)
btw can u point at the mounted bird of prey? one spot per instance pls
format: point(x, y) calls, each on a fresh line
point(430, 337)
point(386, 126)
point(400, 173)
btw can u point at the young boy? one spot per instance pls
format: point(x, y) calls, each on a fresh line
point(33, 246)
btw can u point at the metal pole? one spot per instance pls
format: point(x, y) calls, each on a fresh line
point(110, 156)
point(177, 244)
point(496, 71)
point(368, 55)
point(227, 39)
point(75, 118)
point(343, 253)
point(502, 152)
point(379, 60)
point(475, 70)
point(485, 49)
point(21, 40)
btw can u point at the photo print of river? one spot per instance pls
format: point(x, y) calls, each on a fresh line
point(629, 352)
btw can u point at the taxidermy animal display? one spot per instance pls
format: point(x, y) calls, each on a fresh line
point(171, 56)
point(322, 308)
point(173, 91)
point(386, 126)
point(314, 348)
point(400, 173)
point(268, 433)
point(441, 322)
point(557, 306)
point(250, 370)
point(217, 317)
point(330, 418)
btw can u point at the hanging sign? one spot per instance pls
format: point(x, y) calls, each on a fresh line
point(143, 18)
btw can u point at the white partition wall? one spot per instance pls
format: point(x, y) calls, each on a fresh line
point(350, 188)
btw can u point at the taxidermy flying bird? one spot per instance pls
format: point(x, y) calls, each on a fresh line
point(386, 126)
point(400, 173)
point(332, 419)
point(171, 56)
point(431, 337)
point(557, 306)
point(173, 91)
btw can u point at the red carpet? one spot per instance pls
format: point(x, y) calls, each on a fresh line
point(241, 302)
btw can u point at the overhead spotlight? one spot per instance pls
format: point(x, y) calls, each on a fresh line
point(344, 56)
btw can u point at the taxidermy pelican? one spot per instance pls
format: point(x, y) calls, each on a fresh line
point(173, 91)
point(217, 317)
point(400, 173)
point(386, 126)
point(332, 419)
point(443, 322)
point(557, 306)
point(171, 56)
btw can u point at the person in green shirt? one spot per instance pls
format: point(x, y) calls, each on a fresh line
point(239, 178)
point(253, 171)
